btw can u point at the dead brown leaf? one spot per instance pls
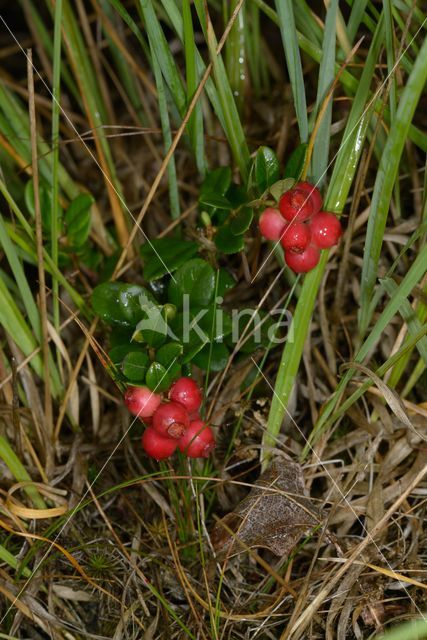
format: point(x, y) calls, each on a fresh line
point(274, 515)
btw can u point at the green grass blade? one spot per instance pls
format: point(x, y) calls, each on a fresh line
point(195, 123)
point(358, 13)
point(235, 52)
point(167, 138)
point(386, 177)
point(326, 77)
point(9, 558)
point(164, 56)
point(19, 472)
point(286, 17)
point(414, 630)
point(400, 295)
point(233, 126)
point(49, 265)
point(56, 211)
point(406, 311)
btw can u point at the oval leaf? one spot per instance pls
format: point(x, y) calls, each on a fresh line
point(267, 169)
point(120, 303)
point(280, 187)
point(227, 242)
point(242, 221)
point(195, 279)
point(216, 181)
point(214, 360)
point(78, 219)
point(295, 164)
point(135, 365)
point(156, 378)
point(165, 255)
point(169, 352)
point(216, 201)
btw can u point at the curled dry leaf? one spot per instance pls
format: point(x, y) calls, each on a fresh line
point(275, 514)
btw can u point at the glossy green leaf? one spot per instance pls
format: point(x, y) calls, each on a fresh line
point(280, 187)
point(118, 303)
point(216, 181)
point(156, 377)
point(165, 255)
point(78, 219)
point(169, 352)
point(212, 357)
point(195, 279)
point(215, 323)
point(295, 163)
point(152, 329)
point(215, 200)
point(225, 282)
point(118, 353)
point(241, 221)
point(135, 365)
point(227, 242)
point(266, 168)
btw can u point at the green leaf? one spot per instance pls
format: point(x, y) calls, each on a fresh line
point(153, 327)
point(165, 255)
point(295, 164)
point(195, 279)
point(266, 169)
point(278, 188)
point(169, 352)
point(45, 203)
point(216, 181)
point(156, 378)
point(78, 219)
point(118, 303)
point(215, 200)
point(215, 323)
point(254, 326)
point(118, 353)
point(242, 221)
point(227, 242)
point(135, 365)
point(213, 357)
point(225, 282)
point(237, 194)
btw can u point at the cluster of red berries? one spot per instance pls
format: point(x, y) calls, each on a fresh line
point(301, 227)
point(172, 423)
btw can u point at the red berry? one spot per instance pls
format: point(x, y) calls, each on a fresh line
point(171, 420)
point(313, 193)
point(198, 441)
point(141, 401)
point(271, 224)
point(325, 230)
point(296, 204)
point(156, 446)
point(303, 262)
point(186, 392)
point(295, 237)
